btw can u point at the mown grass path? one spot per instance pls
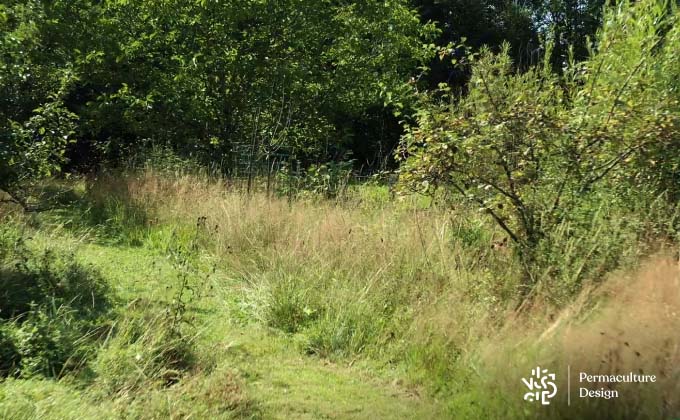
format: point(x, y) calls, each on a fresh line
point(283, 382)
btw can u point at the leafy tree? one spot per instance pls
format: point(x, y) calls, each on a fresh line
point(528, 148)
point(217, 80)
point(35, 127)
point(255, 77)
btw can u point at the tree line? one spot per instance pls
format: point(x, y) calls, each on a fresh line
point(500, 95)
point(87, 82)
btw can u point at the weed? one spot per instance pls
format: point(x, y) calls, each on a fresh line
point(145, 350)
point(50, 308)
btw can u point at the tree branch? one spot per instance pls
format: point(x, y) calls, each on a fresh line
point(496, 217)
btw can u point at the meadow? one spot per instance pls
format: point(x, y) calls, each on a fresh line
point(156, 293)
point(293, 209)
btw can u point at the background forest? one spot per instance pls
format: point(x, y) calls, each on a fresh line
point(336, 209)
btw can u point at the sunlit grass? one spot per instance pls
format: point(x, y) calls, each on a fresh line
point(360, 306)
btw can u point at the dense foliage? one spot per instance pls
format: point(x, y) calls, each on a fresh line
point(530, 147)
point(51, 307)
point(240, 200)
point(526, 129)
point(239, 84)
point(221, 81)
point(35, 124)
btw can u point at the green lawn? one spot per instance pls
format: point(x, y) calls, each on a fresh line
point(270, 376)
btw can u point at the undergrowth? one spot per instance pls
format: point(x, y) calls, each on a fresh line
point(429, 293)
point(60, 320)
point(422, 289)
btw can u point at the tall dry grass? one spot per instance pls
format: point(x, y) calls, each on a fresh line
point(357, 274)
point(416, 286)
point(637, 329)
point(627, 324)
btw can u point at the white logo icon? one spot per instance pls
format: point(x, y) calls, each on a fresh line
point(541, 386)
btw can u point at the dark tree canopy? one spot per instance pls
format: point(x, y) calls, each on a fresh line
point(85, 82)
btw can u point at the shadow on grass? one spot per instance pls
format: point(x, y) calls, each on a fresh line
point(52, 311)
point(52, 283)
point(103, 206)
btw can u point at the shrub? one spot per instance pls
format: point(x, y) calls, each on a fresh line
point(48, 343)
point(529, 149)
point(51, 279)
point(9, 355)
point(51, 306)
